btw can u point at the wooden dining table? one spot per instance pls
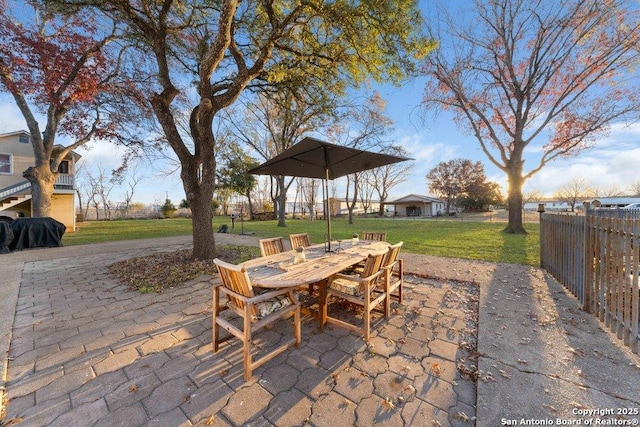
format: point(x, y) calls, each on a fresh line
point(280, 271)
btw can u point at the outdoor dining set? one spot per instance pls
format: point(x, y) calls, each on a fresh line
point(364, 272)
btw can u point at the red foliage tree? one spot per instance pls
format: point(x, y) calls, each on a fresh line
point(58, 66)
point(554, 74)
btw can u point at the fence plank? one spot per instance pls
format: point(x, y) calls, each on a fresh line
point(595, 258)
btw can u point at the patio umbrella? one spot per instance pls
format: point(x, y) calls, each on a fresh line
point(312, 158)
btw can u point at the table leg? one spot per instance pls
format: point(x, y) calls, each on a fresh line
point(322, 305)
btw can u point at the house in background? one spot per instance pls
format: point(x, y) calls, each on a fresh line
point(613, 202)
point(550, 206)
point(416, 205)
point(16, 155)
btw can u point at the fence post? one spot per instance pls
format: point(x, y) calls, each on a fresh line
point(540, 212)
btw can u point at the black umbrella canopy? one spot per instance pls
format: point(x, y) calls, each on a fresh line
point(312, 158)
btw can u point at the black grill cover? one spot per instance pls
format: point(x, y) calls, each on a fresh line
point(36, 233)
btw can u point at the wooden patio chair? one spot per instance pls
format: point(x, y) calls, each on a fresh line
point(374, 235)
point(299, 240)
point(272, 246)
point(303, 240)
point(394, 275)
point(359, 290)
point(257, 309)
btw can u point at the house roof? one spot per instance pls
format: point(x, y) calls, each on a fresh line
point(616, 200)
point(58, 147)
point(414, 198)
point(18, 132)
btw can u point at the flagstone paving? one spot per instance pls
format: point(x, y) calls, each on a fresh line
point(79, 349)
point(86, 350)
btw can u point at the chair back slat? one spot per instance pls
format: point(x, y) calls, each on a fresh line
point(372, 264)
point(392, 254)
point(299, 240)
point(272, 246)
point(372, 235)
point(235, 278)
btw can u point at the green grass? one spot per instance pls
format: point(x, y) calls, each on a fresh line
point(447, 238)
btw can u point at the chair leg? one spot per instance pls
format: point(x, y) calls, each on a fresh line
point(248, 365)
point(322, 306)
point(387, 300)
point(401, 277)
point(367, 313)
point(297, 329)
point(216, 313)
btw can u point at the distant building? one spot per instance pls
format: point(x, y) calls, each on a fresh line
point(596, 202)
point(612, 202)
point(550, 206)
point(415, 205)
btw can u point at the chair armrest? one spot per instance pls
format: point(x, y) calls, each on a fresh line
point(357, 279)
point(257, 298)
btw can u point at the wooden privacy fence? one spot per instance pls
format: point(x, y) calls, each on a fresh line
point(596, 259)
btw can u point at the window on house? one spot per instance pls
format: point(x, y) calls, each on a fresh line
point(24, 139)
point(64, 167)
point(6, 163)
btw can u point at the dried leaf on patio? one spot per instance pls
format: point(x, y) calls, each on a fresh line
point(388, 403)
point(435, 369)
point(461, 416)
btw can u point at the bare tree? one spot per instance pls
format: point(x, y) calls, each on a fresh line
point(573, 191)
point(387, 177)
point(102, 183)
point(366, 190)
point(611, 191)
point(364, 127)
point(275, 122)
point(310, 194)
point(132, 182)
point(634, 189)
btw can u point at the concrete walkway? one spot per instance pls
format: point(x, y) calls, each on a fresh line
point(82, 349)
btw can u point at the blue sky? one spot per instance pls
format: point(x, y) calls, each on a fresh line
point(612, 163)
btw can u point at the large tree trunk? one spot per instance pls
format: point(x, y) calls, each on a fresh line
point(282, 202)
point(42, 181)
point(250, 203)
point(199, 196)
point(204, 246)
point(516, 181)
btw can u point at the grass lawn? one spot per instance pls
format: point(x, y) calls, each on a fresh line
point(447, 238)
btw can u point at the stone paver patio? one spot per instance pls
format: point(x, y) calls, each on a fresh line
point(86, 350)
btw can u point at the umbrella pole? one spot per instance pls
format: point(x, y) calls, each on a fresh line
point(328, 210)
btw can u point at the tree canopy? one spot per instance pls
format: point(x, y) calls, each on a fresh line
point(65, 68)
point(462, 183)
point(546, 74)
point(213, 51)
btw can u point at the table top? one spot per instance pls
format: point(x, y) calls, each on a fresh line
point(279, 271)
